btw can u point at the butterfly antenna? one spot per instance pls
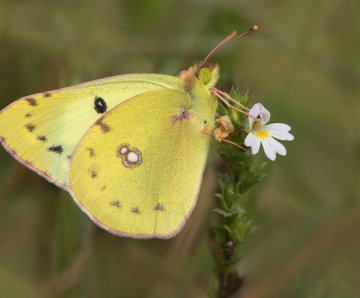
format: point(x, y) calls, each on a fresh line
point(214, 50)
point(228, 40)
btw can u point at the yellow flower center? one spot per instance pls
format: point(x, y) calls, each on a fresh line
point(262, 134)
point(259, 132)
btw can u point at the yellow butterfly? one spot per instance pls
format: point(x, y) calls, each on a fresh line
point(130, 149)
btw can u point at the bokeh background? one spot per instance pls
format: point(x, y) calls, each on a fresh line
point(303, 65)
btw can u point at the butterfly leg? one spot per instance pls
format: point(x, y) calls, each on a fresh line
point(220, 94)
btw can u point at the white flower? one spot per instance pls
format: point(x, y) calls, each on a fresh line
point(265, 134)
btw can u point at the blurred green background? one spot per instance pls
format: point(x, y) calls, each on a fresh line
point(303, 65)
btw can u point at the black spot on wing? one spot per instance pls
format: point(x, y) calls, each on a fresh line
point(32, 101)
point(30, 127)
point(93, 174)
point(42, 139)
point(47, 94)
point(100, 105)
point(56, 149)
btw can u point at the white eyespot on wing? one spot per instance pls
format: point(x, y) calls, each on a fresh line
point(131, 158)
point(122, 150)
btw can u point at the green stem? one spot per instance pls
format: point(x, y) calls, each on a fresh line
point(230, 227)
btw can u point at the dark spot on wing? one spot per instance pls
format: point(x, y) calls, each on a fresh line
point(30, 127)
point(183, 114)
point(104, 127)
point(100, 105)
point(56, 149)
point(135, 210)
point(115, 204)
point(32, 101)
point(28, 115)
point(47, 94)
point(159, 207)
point(68, 157)
point(93, 174)
point(42, 139)
point(91, 152)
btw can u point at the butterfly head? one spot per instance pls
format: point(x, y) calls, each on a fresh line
point(206, 75)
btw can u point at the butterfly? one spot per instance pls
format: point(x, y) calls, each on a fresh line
point(130, 149)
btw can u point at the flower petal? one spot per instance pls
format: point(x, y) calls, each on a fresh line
point(255, 112)
point(279, 126)
point(277, 147)
point(259, 110)
point(252, 141)
point(269, 151)
point(280, 131)
point(256, 146)
point(264, 114)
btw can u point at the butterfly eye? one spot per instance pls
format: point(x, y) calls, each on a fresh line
point(205, 75)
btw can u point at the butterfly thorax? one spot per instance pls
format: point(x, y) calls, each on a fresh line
point(198, 80)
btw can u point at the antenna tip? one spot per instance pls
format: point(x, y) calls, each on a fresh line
point(255, 28)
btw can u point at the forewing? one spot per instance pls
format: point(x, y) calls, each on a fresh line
point(42, 130)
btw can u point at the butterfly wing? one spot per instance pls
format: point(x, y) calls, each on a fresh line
point(42, 130)
point(138, 170)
